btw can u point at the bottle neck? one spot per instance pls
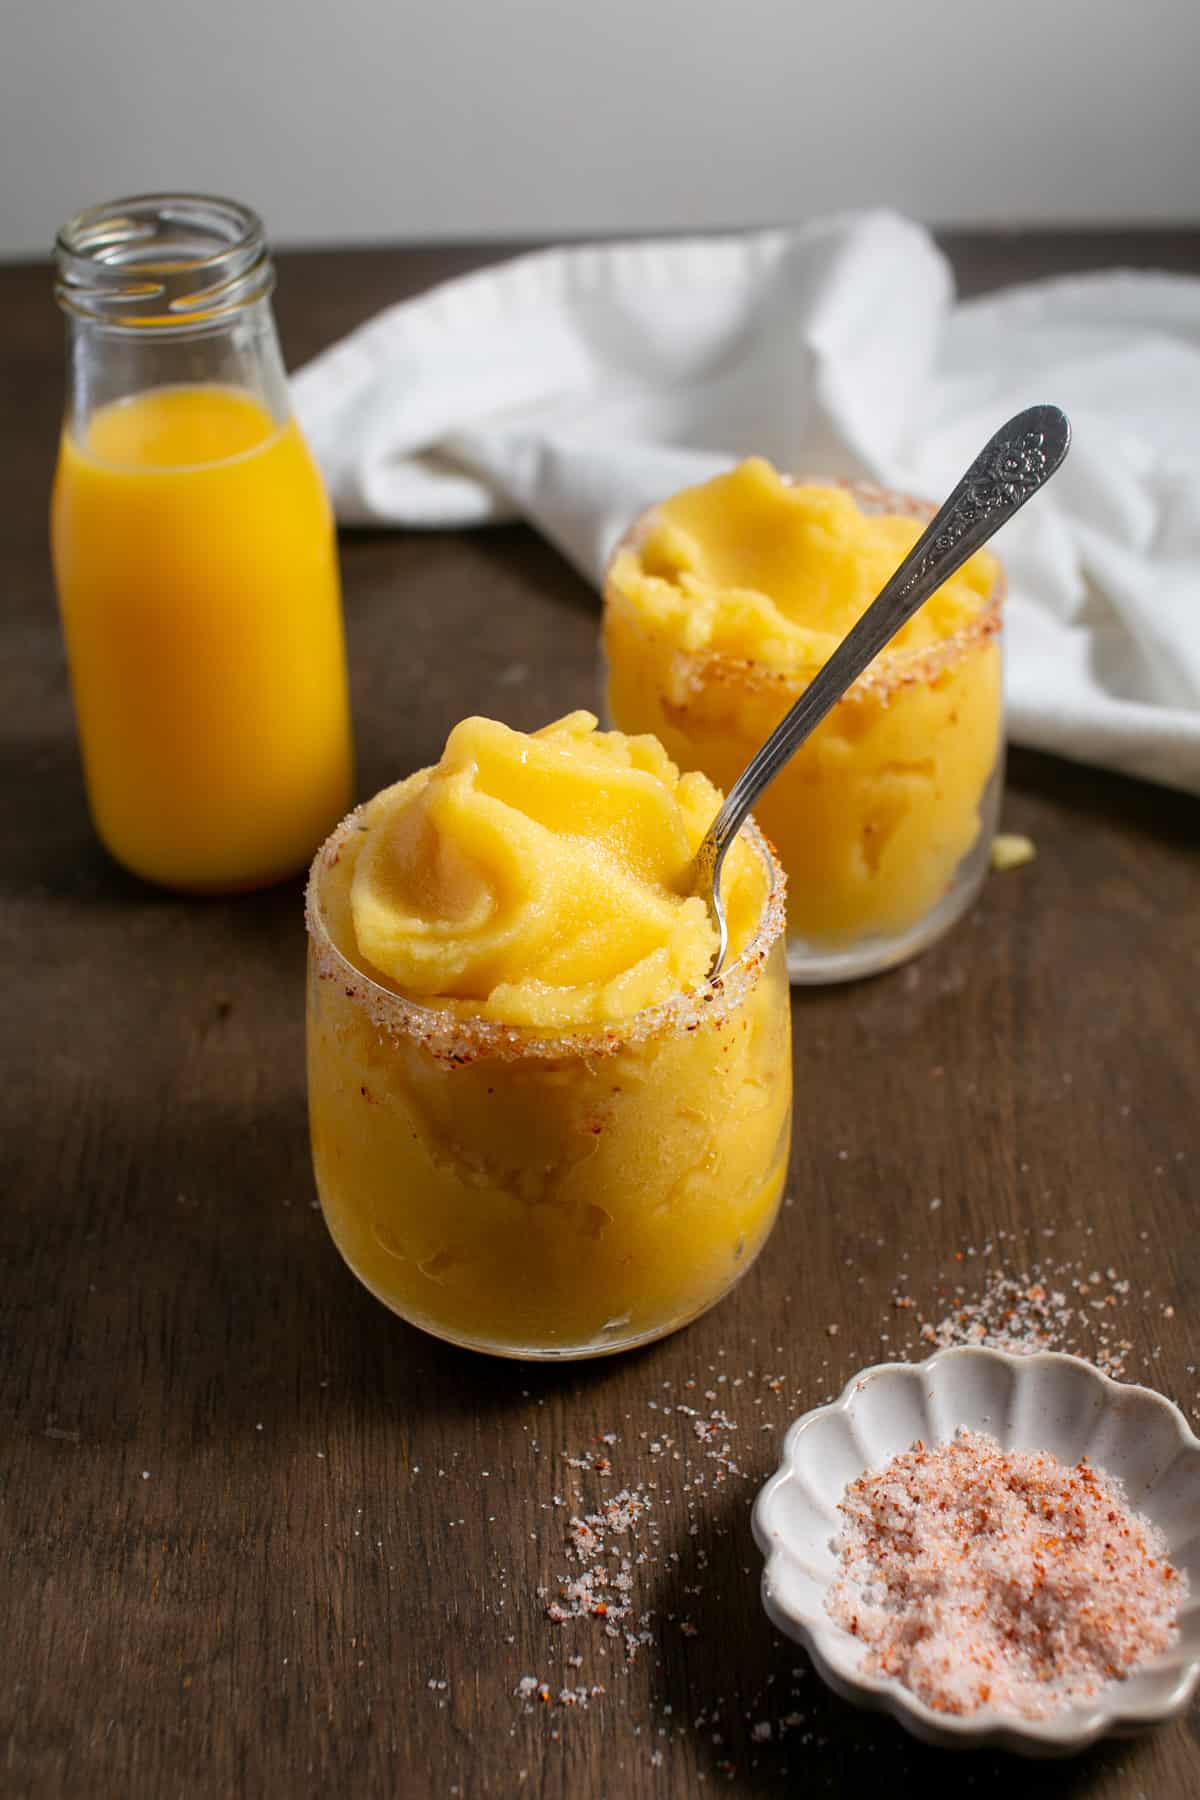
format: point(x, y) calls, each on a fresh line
point(107, 364)
point(167, 291)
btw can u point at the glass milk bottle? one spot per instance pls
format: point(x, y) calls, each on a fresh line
point(194, 554)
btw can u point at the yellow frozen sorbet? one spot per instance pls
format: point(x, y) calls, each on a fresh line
point(722, 605)
point(541, 880)
point(537, 1128)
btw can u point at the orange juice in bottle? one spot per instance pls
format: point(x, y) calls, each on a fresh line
point(194, 554)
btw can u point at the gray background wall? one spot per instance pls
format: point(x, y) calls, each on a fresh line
point(348, 120)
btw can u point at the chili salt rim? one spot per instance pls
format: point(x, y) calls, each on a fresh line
point(790, 1542)
point(891, 670)
point(458, 1041)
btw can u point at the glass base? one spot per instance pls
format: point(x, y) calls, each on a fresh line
point(606, 1343)
point(811, 965)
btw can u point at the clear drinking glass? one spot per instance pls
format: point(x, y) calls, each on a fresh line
point(883, 819)
point(552, 1196)
point(194, 553)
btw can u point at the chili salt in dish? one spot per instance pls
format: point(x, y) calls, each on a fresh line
point(1034, 1408)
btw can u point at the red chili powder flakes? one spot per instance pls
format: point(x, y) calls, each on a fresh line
point(979, 1577)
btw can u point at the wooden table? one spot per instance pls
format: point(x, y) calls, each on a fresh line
point(259, 1537)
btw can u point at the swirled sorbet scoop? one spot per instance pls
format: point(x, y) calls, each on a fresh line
point(537, 1127)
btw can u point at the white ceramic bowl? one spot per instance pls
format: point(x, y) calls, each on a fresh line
point(1038, 1402)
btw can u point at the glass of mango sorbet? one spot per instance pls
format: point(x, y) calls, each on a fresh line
point(538, 1128)
point(721, 605)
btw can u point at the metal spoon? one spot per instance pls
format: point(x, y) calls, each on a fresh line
point(1008, 471)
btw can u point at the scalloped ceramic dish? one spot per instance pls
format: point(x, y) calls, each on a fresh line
point(1037, 1402)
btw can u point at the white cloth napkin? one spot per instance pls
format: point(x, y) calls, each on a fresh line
point(574, 387)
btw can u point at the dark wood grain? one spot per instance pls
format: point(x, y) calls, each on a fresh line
point(249, 1521)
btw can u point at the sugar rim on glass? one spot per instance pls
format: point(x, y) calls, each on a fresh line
point(891, 670)
point(456, 1040)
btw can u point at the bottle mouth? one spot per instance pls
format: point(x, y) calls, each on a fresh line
point(171, 262)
